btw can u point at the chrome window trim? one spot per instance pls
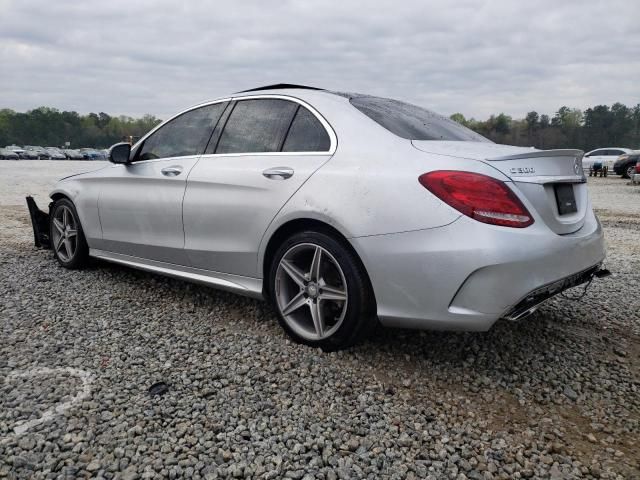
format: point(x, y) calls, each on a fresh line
point(327, 126)
point(194, 107)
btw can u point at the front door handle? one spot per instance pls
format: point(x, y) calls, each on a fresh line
point(278, 173)
point(172, 171)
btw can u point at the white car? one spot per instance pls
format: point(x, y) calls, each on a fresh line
point(605, 156)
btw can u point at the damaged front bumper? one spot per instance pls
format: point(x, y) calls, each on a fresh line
point(40, 224)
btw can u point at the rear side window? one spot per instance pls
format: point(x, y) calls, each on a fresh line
point(185, 135)
point(413, 122)
point(258, 125)
point(306, 134)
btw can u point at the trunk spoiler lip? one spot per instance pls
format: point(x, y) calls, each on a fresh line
point(565, 152)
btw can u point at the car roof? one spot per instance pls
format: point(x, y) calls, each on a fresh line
point(292, 86)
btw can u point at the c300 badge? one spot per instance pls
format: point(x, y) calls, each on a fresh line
point(522, 170)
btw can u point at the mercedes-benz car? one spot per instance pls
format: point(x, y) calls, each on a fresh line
point(342, 209)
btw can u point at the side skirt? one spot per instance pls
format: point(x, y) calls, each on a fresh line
point(247, 286)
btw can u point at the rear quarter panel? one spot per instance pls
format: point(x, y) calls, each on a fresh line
point(370, 186)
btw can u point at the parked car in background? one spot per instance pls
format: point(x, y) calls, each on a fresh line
point(635, 177)
point(73, 154)
point(55, 153)
point(255, 194)
point(625, 165)
point(6, 154)
point(22, 153)
point(91, 154)
point(40, 152)
point(606, 157)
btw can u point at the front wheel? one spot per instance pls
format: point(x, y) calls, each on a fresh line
point(67, 238)
point(321, 291)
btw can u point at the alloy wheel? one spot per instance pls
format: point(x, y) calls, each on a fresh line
point(311, 291)
point(64, 233)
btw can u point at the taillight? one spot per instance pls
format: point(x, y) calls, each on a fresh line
point(478, 196)
point(638, 167)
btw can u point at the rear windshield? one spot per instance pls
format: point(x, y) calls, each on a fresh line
point(413, 122)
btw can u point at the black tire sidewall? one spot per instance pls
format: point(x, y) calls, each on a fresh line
point(81, 255)
point(359, 317)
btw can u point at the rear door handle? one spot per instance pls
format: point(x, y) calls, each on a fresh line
point(278, 173)
point(172, 171)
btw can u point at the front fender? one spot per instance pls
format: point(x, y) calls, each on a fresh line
point(85, 195)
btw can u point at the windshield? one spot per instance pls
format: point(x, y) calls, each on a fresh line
point(413, 122)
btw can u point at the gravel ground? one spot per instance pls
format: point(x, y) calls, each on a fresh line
point(556, 396)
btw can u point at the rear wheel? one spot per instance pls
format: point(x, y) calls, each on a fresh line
point(67, 238)
point(321, 291)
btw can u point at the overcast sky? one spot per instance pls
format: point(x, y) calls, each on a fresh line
point(474, 57)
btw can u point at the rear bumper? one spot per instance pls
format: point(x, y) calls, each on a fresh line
point(467, 275)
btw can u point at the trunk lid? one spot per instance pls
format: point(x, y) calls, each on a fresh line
point(546, 178)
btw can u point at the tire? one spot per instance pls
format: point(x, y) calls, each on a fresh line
point(629, 171)
point(68, 242)
point(339, 274)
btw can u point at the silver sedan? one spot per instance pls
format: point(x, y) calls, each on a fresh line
point(342, 209)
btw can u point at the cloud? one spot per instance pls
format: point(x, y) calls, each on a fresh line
point(472, 57)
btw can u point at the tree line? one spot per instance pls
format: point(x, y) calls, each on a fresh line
point(599, 126)
point(50, 127)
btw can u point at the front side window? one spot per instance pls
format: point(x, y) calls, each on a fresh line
point(183, 136)
point(306, 134)
point(258, 125)
point(412, 122)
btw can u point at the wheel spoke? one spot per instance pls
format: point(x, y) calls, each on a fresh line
point(67, 247)
point(296, 302)
point(314, 271)
point(316, 315)
point(332, 293)
point(72, 232)
point(294, 272)
point(65, 217)
point(59, 243)
point(59, 226)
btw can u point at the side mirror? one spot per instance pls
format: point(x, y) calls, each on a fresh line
point(119, 153)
